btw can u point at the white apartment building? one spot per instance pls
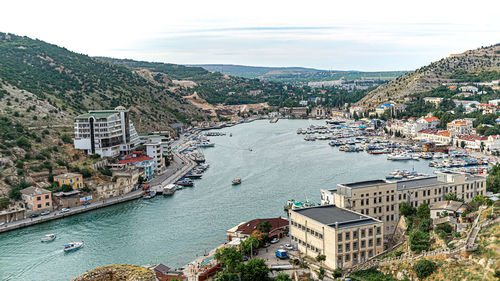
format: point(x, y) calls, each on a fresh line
point(412, 127)
point(107, 133)
point(434, 100)
point(158, 148)
point(380, 199)
point(460, 127)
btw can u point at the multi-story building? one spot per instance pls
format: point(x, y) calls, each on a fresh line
point(344, 236)
point(37, 199)
point(72, 179)
point(460, 127)
point(107, 133)
point(381, 198)
point(434, 100)
point(158, 147)
point(144, 163)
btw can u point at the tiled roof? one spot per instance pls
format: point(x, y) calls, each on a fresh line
point(129, 159)
point(249, 227)
point(431, 119)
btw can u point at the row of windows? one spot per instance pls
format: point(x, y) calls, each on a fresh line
point(307, 229)
point(347, 246)
point(47, 204)
point(38, 198)
point(307, 245)
point(347, 257)
point(347, 234)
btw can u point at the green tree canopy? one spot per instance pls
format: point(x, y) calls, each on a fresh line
point(229, 257)
point(419, 241)
point(255, 270)
point(423, 211)
point(264, 227)
point(405, 209)
point(424, 268)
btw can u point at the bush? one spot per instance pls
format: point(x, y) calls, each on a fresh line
point(23, 142)
point(424, 268)
point(66, 188)
point(4, 203)
point(419, 241)
point(66, 138)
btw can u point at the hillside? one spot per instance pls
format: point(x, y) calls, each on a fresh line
point(482, 64)
point(73, 83)
point(297, 74)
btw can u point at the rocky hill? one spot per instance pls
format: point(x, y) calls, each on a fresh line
point(482, 64)
point(117, 272)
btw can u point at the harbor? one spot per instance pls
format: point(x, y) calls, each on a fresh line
point(274, 164)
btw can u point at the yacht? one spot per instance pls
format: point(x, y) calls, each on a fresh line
point(73, 246)
point(185, 182)
point(236, 181)
point(48, 238)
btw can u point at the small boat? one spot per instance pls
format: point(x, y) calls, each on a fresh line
point(73, 246)
point(185, 182)
point(149, 194)
point(48, 238)
point(169, 189)
point(236, 181)
point(192, 175)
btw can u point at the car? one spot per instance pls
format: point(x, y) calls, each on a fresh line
point(44, 213)
point(282, 254)
point(34, 216)
point(288, 247)
point(275, 240)
point(64, 210)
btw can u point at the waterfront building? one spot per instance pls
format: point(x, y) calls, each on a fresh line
point(140, 161)
point(244, 229)
point(294, 112)
point(158, 151)
point(460, 127)
point(344, 236)
point(107, 133)
point(72, 179)
point(381, 198)
point(412, 127)
point(356, 109)
point(37, 199)
point(472, 142)
point(165, 273)
point(319, 112)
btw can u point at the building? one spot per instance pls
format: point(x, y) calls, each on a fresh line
point(294, 112)
point(469, 106)
point(434, 100)
point(165, 273)
point(429, 122)
point(495, 102)
point(460, 127)
point(441, 137)
point(345, 237)
point(245, 229)
point(472, 142)
point(137, 159)
point(72, 179)
point(37, 199)
point(381, 198)
point(356, 109)
point(447, 208)
point(319, 112)
point(107, 133)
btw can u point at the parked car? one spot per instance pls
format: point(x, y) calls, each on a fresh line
point(34, 216)
point(275, 240)
point(44, 213)
point(64, 210)
point(288, 247)
point(282, 254)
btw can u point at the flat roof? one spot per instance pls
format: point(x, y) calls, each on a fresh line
point(98, 114)
point(364, 183)
point(414, 183)
point(334, 216)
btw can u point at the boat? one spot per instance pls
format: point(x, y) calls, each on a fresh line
point(292, 204)
point(185, 182)
point(192, 175)
point(149, 194)
point(236, 181)
point(72, 246)
point(169, 190)
point(48, 238)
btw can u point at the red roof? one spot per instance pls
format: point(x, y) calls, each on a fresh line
point(130, 159)
point(471, 137)
point(249, 227)
point(430, 119)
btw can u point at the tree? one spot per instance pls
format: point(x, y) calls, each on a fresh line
point(66, 138)
point(283, 277)
point(423, 211)
point(264, 227)
point(462, 144)
point(23, 142)
point(405, 209)
point(452, 197)
point(337, 273)
point(66, 188)
point(255, 270)
point(419, 241)
point(227, 276)
point(140, 180)
point(493, 180)
point(250, 243)
point(424, 268)
point(229, 257)
point(320, 258)
point(321, 273)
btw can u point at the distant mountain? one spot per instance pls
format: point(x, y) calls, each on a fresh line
point(482, 64)
point(297, 74)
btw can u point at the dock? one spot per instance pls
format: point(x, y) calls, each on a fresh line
point(274, 120)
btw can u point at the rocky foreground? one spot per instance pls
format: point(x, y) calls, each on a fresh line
point(117, 272)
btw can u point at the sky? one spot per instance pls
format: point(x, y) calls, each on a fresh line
point(331, 35)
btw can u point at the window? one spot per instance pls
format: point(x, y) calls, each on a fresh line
point(392, 207)
point(363, 244)
point(47, 204)
point(367, 202)
point(370, 253)
point(347, 236)
point(380, 209)
point(355, 234)
point(362, 202)
point(370, 232)
point(354, 245)
point(375, 210)
point(363, 233)
point(370, 243)
point(380, 199)
point(38, 198)
point(340, 248)
point(321, 236)
point(47, 196)
point(347, 257)
point(379, 230)
point(387, 208)
point(347, 247)
point(339, 237)
point(399, 196)
point(392, 198)
point(379, 241)
point(39, 205)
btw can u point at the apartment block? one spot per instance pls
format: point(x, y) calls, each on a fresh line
point(380, 199)
point(107, 133)
point(344, 236)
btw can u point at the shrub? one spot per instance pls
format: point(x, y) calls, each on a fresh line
point(424, 268)
point(419, 241)
point(66, 138)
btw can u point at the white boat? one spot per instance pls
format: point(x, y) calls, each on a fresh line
point(396, 157)
point(72, 246)
point(169, 189)
point(149, 194)
point(48, 238)
point(206, 144)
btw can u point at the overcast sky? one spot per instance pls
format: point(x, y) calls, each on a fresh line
point(359, 35)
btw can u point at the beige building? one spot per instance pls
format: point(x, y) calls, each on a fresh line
point(37, 199)
point(381, 198)
point(345, 237)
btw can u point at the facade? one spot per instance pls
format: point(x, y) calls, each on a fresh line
point(441, 137)
point(381, 198)
point(37, 199)
point(143, 162)
point(434, 100)
point(460, 127)
point(345, 237)
point(245, 229)
point(319, 112)
point(107, 133)
point(447, 208)
point(295, 112)
point(72, 179)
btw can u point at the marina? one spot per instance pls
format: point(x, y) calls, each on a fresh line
point(275, 165)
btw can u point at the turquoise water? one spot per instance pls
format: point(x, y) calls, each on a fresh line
point(176, 230)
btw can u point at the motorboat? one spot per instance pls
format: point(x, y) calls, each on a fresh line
point(149, 194)
point(236, 181)
point(48, 238)
point(185, 182)
point(169, 189)
point(72, 246)
point(192, 175)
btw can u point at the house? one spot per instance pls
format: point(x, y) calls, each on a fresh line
point(472, 142)
point(143, 162)
point(245, 229)
point(165, 273)
point(37, 199)
point(433, 135)
point(434, 100)
point(460, 127)
point(72, 179)
point(107, 133)
point(429, 122)
point(470, 89)
point(356, 109)
point(319, 112)
point(344, 236)
point(447, 208)
point(71, 199)
point(469, 106)
point(494, 102)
